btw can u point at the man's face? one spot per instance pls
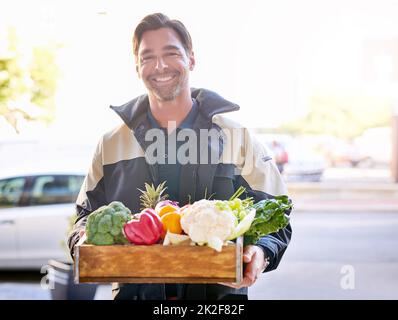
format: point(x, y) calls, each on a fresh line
point(163, 64)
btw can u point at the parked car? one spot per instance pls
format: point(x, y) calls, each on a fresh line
point(303, 163)
point(35, 210)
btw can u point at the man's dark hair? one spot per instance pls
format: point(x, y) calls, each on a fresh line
point(159, 20)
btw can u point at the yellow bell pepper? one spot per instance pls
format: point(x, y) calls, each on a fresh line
point(171, 222)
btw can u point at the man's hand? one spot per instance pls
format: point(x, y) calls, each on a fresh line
point(81, 233)
point(254, 258)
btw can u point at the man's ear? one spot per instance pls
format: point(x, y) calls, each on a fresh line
point(136, 70)
point(191, 61)
point(136, 67)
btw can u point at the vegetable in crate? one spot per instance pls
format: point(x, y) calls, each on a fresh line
point(213, 222)
point(166, 206)
point(145, 228)
point(270, 217)
point(205, 223)
point(169, 213)
point(105, 225)
point(172, 222)
point(242, 209)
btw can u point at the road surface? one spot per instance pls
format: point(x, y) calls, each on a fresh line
point(340, 255)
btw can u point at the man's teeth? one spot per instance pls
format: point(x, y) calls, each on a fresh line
point(163, 79)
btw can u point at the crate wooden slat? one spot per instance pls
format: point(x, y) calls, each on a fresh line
point(158, 263)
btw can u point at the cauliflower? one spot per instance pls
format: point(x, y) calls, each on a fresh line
point(207, 223)
point(105, 225)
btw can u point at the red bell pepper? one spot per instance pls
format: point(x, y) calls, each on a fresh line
point(143, 229)
point(156, 217)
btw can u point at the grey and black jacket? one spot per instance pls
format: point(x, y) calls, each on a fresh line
point(120, 167)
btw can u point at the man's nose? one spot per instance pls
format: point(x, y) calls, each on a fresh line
point(160, 64)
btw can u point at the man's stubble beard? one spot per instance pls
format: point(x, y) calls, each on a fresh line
point(168, 94)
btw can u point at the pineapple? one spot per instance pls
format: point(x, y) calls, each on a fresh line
point(151, 196)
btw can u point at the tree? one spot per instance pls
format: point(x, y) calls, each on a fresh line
point(341, 115)
point(27, 82)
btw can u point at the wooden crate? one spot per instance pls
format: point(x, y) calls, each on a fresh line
point(158, 263)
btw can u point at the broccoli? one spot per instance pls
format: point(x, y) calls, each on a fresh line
point(105, 225)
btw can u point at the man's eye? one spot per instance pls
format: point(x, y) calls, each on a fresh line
point(147, 58)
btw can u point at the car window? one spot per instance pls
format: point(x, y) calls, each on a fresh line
point(53, 189)
point(11, 191)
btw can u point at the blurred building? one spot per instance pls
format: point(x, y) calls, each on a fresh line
point(380, 65)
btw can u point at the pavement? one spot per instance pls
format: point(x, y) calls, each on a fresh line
point(347, 205)
point(347, 189)
point(33, 291)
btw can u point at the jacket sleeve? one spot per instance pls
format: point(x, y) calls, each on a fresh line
point(91, 196)
point(261, 178)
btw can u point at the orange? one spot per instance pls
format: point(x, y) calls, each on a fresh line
point(171, 222)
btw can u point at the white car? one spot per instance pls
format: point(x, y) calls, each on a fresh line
point(35, 213)
point(304, 165)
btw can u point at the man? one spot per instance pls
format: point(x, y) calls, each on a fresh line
point(122, 162)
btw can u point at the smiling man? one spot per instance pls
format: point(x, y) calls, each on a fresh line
point(164, 59)
point(163, 63)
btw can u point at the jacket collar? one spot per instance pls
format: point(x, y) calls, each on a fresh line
point(209, 103)
point(134, 114)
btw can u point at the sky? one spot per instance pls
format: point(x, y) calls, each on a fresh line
point(267, 56)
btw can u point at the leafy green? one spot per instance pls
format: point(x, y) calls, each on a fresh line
point(241, 209)
point(243, 225)
point(256, 220)
point(270, 217)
